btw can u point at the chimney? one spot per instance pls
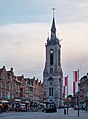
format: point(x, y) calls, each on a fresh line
point(3, 67)
point(11, 70)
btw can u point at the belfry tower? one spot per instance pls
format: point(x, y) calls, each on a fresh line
point(52, 74)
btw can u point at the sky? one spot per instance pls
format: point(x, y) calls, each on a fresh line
point(25, 26)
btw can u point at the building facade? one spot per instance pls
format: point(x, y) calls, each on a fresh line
point(52, 74)
point(83, 92)
point(7, 87)
point(18, 87)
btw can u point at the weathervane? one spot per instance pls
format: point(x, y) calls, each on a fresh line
point(53, 11)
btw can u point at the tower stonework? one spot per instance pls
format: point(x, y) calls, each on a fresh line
point(52, 74)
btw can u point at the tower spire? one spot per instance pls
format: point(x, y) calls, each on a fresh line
point(53, 28)
point(52, 73)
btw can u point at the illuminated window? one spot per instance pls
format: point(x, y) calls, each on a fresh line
point(51, 57)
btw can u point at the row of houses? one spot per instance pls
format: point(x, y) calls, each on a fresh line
point(14, 87)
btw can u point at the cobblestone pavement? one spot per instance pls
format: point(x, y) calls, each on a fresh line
point(72, 114)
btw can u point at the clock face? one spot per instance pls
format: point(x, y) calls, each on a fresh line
point(51, 51)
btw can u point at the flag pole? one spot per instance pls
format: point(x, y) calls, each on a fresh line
point(64, 101)
point(73, 85)
point(67, 94)
point(78, 93)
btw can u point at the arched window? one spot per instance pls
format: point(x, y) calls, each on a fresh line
point(51, 57)
point(51, 81)
point(51, 70)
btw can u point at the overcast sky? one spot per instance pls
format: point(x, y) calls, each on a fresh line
point(24, 28)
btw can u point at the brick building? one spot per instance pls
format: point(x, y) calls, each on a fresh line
point(17, 87)
point(7, 87)
point(36, 88)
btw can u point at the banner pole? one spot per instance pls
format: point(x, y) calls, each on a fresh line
point(78, 93)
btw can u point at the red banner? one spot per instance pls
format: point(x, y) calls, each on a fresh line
point(74, 87)
point(66, 81)
point(64, 92)
point(75, 76)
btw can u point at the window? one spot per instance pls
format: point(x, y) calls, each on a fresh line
point(51, 91)
point(50, 81)
point(13, 87)
point(0, 94)
point(3, 84)
point(3, 95)
point(58, 57)
point(51, 70)
point(7, 85)
point(10, 87)
point(51, 57)
point(6, 94)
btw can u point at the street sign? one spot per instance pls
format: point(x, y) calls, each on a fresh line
point(81, 93)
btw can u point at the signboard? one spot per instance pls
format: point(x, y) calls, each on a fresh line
point(81, 93)
point(87, 95)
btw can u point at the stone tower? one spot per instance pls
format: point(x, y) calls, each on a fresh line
point(52, 74)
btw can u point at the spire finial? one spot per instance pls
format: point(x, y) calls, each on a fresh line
point(53, 11)
point(53, 28)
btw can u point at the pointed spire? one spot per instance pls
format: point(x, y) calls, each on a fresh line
point(53, 39)
point(53, 28)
